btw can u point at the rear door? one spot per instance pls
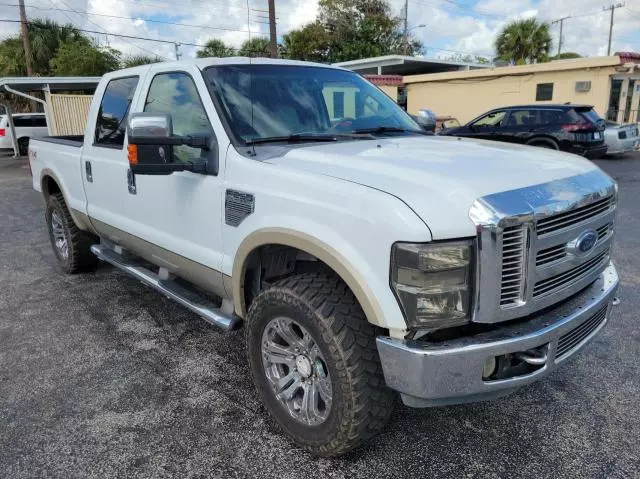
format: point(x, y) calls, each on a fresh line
point(104, 160)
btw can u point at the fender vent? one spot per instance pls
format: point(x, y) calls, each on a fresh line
point(237, 206)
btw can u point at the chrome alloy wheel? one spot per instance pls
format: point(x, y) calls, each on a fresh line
point(59, 235)
point(296, 371)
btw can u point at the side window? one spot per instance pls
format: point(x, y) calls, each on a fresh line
point(493, 119)
point(111, 124)
point(40, 121)
point(524, 118)
point(21, 121)
point(176, 94)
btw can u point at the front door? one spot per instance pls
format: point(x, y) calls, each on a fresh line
point(485, 127)
point(182, 212)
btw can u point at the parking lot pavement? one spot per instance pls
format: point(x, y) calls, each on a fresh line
point(102, 377)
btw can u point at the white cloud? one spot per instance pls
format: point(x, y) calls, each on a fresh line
point(464, 27)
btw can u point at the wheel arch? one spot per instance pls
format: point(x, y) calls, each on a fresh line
point(50, 184)
point(309, 245)
point(544, 139)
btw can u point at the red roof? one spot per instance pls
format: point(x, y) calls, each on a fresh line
point(629, 57)
point(390, 80)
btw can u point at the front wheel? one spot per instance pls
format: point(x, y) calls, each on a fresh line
point(315, 364)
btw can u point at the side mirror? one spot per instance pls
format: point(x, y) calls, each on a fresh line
point(151, 142)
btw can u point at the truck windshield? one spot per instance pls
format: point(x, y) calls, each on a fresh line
point(263, 102)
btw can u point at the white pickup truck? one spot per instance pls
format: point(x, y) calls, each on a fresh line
point(361, 256)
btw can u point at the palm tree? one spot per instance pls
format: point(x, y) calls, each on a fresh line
point(137, 60)
point(46, 37)
point(215, 48)
point(524, 41)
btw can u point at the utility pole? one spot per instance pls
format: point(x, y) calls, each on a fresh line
point(560, 21)
point(406, 26)
point(613, 9)
point(273, 44)
point(176, 46)
point(24, 30)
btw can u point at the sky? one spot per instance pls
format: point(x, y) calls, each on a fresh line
point(451, 27)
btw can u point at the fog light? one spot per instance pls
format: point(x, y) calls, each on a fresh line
point(489, 367)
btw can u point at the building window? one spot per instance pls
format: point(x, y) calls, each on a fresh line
point(338, 104)
point(544, 91)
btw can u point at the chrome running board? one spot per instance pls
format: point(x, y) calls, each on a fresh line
point(192, 300)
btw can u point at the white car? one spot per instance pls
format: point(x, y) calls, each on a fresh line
point(27, 126)
point(362, 258)
point(621, 138)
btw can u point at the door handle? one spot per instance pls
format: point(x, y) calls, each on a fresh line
point(88, 172)
point(131, 182)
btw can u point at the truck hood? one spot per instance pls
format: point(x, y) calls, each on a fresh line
point(438, 177)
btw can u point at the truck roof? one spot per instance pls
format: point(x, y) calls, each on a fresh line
point(203, 63)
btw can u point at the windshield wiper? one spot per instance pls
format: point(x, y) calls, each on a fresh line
point(388, 129)
point(302, 137)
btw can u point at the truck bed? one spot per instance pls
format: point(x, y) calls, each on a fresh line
point(69, 140)
point(60, 158)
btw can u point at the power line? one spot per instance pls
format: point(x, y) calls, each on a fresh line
point(164, 22)
point(105, 32)
point(119, 35)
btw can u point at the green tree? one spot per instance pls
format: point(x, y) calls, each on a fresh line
point(566, 56)
point(309, 43)
point(524, 41)
point(256, 47)
point(82, 59)
point(46, 37)
point(137, 60)
point(215, 48)
point(349, 30)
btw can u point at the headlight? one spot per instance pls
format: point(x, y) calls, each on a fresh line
point(433, 283)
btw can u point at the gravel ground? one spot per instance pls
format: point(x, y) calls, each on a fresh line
point(102, 377)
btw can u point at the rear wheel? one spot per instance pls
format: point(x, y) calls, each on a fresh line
point(315, 364)
point(540, 143)
point(70, 244)
point(23, 146)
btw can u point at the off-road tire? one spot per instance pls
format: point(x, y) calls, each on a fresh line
point(324, 305)
point(80, 258)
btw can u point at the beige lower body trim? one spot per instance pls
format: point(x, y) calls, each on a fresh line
point(206, 278)
point(311, 245)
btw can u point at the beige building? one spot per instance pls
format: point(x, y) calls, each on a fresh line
point(611, 84)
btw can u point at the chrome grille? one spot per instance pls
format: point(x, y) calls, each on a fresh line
point(549, 255)
point(572, 217)
point(603, 231)
point(558, 281)
point(513, 250)
point(573, 338)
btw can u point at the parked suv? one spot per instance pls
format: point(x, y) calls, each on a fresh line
point(27, 125)
point(571, 128)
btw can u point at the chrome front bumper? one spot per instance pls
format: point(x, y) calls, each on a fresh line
point(450, 372)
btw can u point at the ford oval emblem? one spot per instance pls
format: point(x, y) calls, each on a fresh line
point(586, 241)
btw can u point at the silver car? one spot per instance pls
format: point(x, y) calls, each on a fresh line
point(621, 138)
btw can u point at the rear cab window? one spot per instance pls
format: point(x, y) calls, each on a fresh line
point(111, 123)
